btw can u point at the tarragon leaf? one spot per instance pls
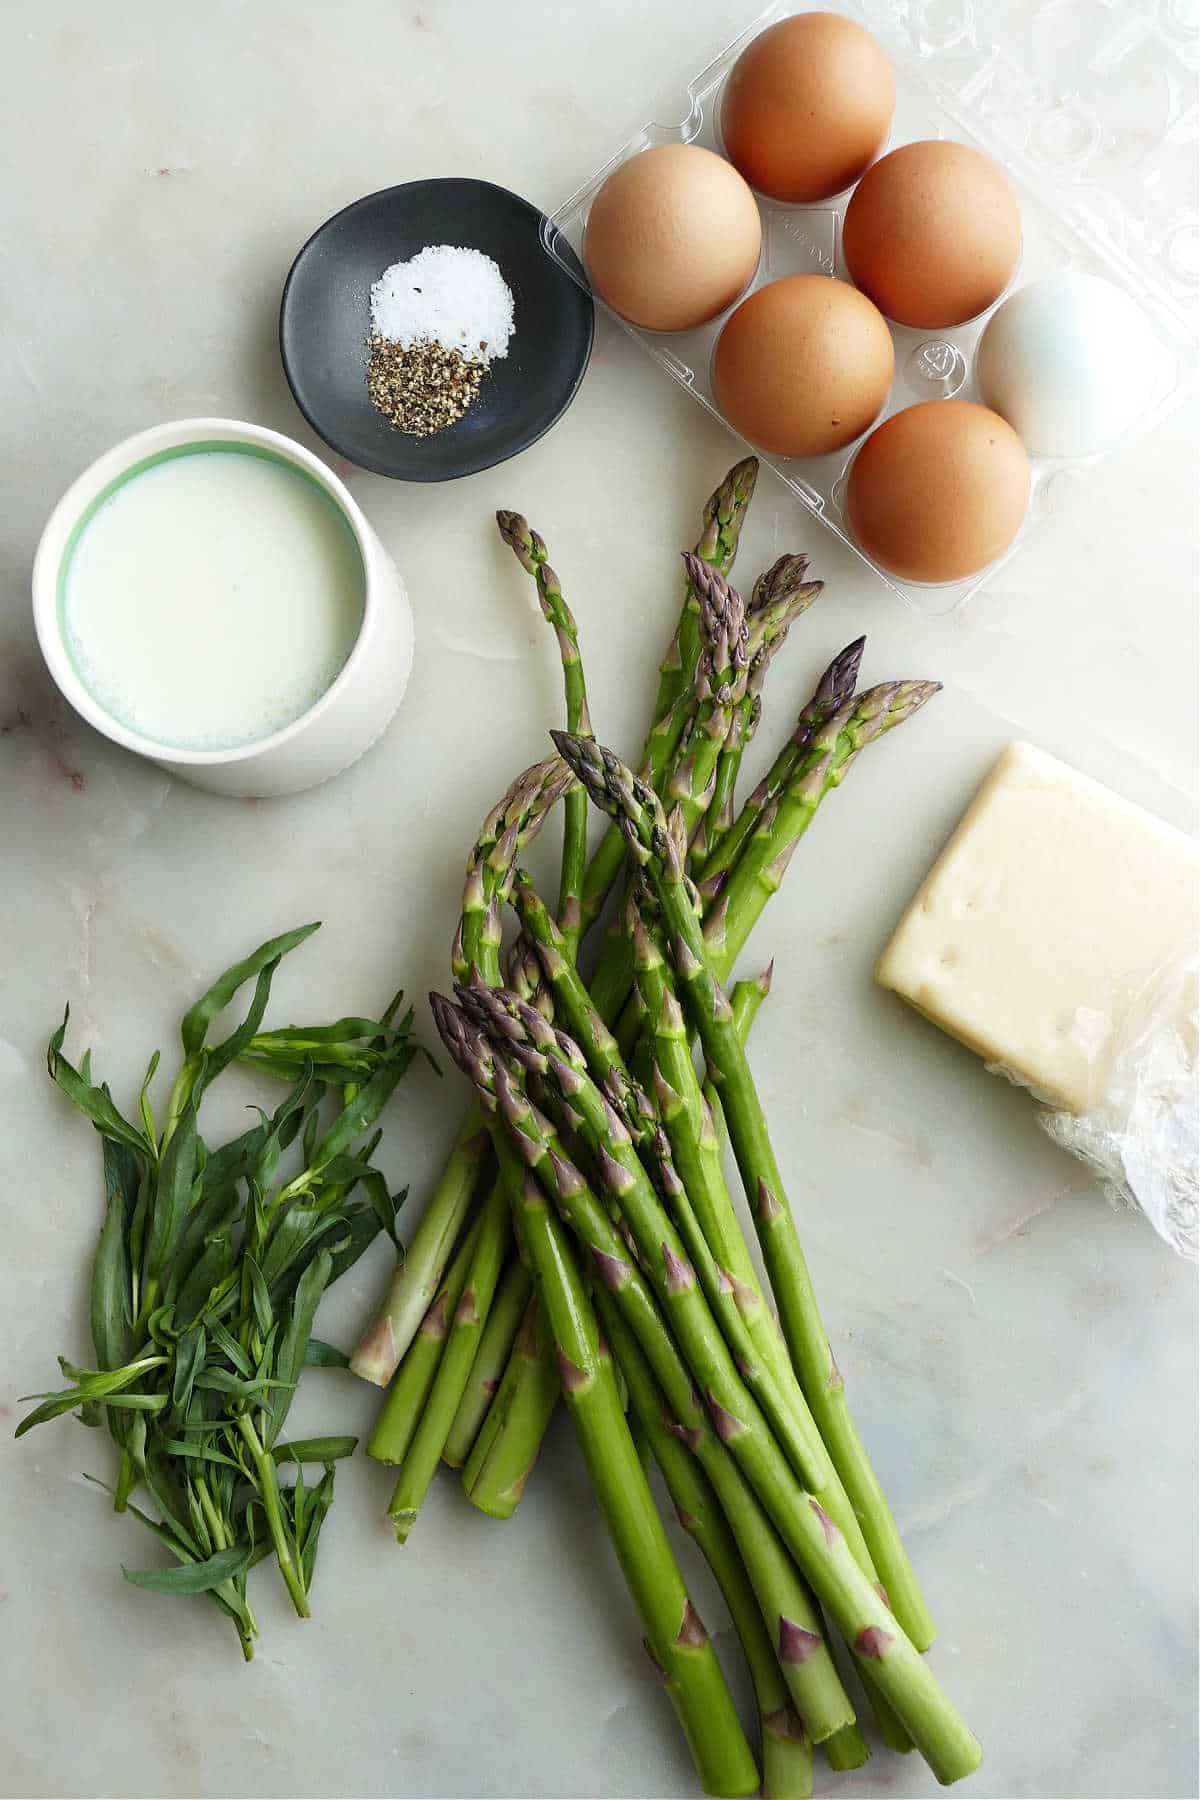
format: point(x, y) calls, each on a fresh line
point(198, 1018)
point(192, 1577)
point(314, 1450)
point(96, 1102)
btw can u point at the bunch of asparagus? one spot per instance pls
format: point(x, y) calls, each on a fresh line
point(582, 1238)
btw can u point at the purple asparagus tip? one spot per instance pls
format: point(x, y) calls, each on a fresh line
point(841, 677)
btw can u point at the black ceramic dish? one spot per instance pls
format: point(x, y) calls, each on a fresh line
point(325, 318)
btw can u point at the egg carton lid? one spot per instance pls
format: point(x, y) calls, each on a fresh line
point(1089, 104)
point(1092, 102)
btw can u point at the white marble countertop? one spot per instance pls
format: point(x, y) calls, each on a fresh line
point(1021, 1356)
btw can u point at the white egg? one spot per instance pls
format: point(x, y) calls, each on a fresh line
point(1071, 362)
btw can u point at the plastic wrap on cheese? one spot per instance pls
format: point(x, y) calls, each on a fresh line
point(1057, 936)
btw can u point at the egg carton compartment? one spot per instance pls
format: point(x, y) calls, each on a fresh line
point(1089, 105)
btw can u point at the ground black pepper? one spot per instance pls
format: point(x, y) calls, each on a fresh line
point(423, 388)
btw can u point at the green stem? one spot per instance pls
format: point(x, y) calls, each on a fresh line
point(787, 1756)
point(771, 1608)
point(846, 1750)
point(213, 1518)
point(454, 1369)
point(510, 1437)
point(495, 1347)
point(530, 550)
point(268, 1487)
point(401, 1411)
point(419, 1273)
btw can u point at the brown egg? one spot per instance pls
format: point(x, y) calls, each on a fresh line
point(939, 490)
point(807, 106)
point(803, 366)
point(933, 233)
point(672, 237)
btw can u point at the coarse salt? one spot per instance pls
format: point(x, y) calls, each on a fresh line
point(446, 295)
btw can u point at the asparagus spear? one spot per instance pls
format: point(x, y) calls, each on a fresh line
point(493, 1244)
point(724, 515)
point(401, 1411)
point(508, 1441)
point(531, 1356)
point(669, 1035)
point(676, 1640)
point(769, 628)
point(441, 1414)
point(862, 1616)
point(764, 857)
point(490, 872)
point(530, 550)
point(656, 849)
point(835, 687)
point(785, 1745)
point(495, 1348)
point(508, 828)
point(425, 1449)
point(723, 670)
point(511, 824)
point(418, 1277)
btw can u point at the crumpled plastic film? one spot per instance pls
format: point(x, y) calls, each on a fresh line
point(1142, 1137)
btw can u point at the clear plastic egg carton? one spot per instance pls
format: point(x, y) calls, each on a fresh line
point(1089, 105)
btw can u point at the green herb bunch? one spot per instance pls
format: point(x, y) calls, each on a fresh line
point(207, 1278)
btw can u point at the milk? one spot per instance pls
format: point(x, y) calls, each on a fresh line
point(212, 597)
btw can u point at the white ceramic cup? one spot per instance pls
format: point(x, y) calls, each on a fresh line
point(338, 727)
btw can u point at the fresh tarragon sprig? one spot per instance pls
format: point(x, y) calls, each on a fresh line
point(207, 1276)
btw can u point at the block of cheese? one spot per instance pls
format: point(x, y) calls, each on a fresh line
point(1049, 912)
